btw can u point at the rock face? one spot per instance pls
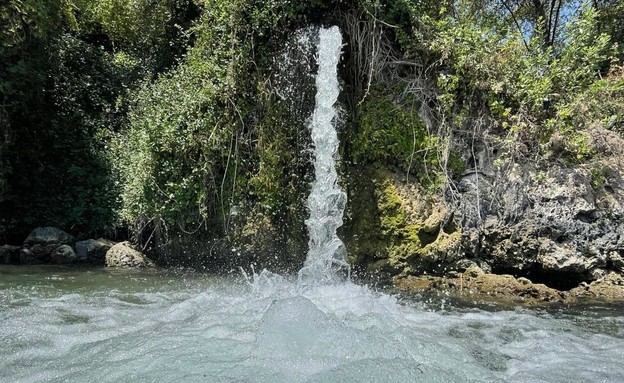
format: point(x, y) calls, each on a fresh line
point(124, 256)
point(396, 227)
point(557, 223)
point(553, 221)
point(49, 236)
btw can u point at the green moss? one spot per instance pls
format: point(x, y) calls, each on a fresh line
point(442, 248)
point(384, 230)
point(362, 230)
point(280, 179)
point(393, 217)
point(387, 133)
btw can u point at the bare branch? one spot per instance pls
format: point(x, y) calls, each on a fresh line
point(515, 20)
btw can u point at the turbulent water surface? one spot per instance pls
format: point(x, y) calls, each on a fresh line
point(98, 325)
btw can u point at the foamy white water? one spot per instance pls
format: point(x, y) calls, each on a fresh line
point(63, 325)
point(326, 202)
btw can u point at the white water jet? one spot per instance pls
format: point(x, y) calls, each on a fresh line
point(325, 262)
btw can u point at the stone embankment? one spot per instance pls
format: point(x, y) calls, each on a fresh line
point(49, 245)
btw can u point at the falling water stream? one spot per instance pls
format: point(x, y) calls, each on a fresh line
point(100, 325)
point(326, 202)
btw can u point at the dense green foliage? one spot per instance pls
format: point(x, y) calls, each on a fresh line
point(529, 90)
point(507, 65)
point(163, 116)
point(209, 134)
point(65, 68)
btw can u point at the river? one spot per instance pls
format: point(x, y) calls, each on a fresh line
point(101, 325)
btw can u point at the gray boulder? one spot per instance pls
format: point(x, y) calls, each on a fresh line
point(93, 250)
point(124, 256)
point(41, 253)
point(63, 254)
point(48, 236)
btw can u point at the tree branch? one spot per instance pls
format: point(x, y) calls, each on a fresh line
point(515, 20)
point(557, 15)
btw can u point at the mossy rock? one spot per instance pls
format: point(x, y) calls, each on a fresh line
point(123, 255)
point(445, 248)
point(395, 225)
point(477, 285)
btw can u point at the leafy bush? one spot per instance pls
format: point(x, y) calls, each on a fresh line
point(63, 179)
point(392, 134)
point(207, 133)
point(530, 89)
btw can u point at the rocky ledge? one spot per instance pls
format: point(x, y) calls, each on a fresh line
point(475, 284)
point(49, 245)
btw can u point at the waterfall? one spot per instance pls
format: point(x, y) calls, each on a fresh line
point(325, 262)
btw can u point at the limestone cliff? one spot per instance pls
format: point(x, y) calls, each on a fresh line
point(545, 219)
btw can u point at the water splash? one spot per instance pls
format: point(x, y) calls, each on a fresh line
point(325, 263)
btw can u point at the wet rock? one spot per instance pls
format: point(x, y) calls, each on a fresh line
point(41, 252)
point(473, 271)
point(27, 257)
point(379, 267)
point(481, 286)
point(610, 288)
point(63, 254)
point(616, 260)
point(524, 281)
point(9, 254)
point(463, 264)
point(47, 236)
point(46, 245)
point(92, 250)
point(124, 256)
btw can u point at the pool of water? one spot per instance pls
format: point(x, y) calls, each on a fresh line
point(98, 325)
